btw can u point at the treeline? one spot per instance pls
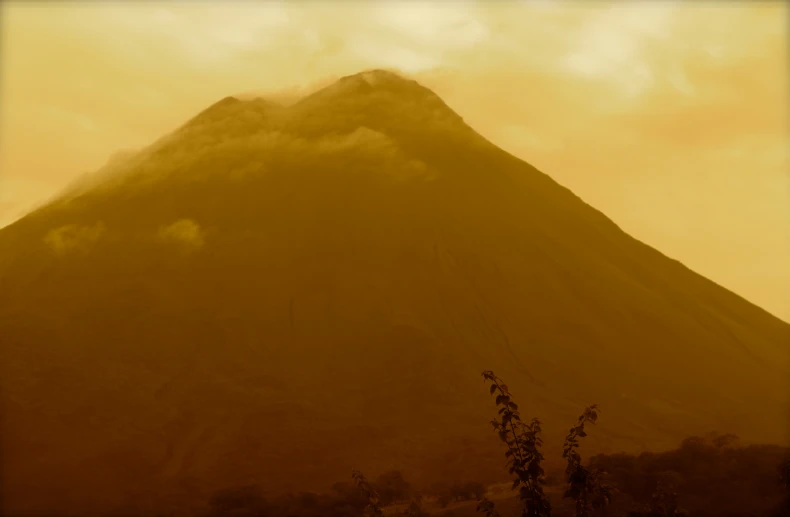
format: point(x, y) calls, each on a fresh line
point(343, 499)
point(709, 476)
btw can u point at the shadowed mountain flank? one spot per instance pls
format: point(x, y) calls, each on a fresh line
point(283, 293)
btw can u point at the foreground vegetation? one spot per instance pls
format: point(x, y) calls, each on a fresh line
point(709, 476)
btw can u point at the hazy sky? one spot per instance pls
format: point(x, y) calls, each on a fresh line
point(671, 119)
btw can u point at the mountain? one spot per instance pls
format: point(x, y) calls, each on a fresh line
point(275, 295)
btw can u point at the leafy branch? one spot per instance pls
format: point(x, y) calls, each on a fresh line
point(487, 507)
point(374, 501)
point(523, 451)
point(663, 503)
point(585, 486)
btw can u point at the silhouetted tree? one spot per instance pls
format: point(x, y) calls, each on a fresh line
point(585, 486)
point(523, 449)
point(246, 500)
point(415, 510)
point(474, 490)
point(783, 510)
point(664, 503)
point(487, 507)
point(784, 474)
point(374, 501)
point(391, 487)
point(714, 476)
point(350, 494)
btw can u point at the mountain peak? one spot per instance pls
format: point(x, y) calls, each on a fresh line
point(377, 76)
point(379, 82)
point(385, 101)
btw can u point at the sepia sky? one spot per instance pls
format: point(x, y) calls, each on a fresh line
point(672, 119)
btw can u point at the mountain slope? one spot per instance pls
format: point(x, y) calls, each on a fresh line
point(280, 294)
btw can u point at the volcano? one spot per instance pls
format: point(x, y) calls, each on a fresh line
point(275, 295)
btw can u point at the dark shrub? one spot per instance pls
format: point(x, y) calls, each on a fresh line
point(246, 500)
point(392, 487)
point(712, 475)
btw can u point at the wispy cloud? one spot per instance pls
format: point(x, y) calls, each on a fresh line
point(73, 238)
point(185, 233)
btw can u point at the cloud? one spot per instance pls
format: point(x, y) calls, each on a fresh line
point(185, 233)
point(74, 238)
point(611, 44)
point(420, 36)
point(363, 138)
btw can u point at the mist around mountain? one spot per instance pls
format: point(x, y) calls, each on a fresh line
point(276, 294)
